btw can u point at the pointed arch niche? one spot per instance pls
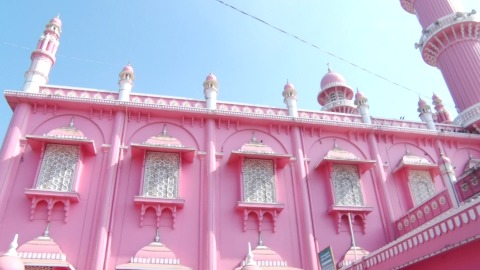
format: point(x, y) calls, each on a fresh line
point(62, 152)
point(258, 165)
point(345, 171)
point(162, 157)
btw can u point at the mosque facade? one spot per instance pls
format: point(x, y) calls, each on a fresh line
point(94, 179)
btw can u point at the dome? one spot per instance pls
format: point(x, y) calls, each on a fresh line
point(359, 95)
point(211, 77)
point(421, 102)
point(11, 263)
point(332, 78)
point(56, 20)
point(127, 68)
point(288, 86)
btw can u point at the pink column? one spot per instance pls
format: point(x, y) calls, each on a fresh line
point(106, 195)
point(9, 155)
point(210, 198)
point(386, 209)
point(307, 238)
point(460, 66)
point(428, 11)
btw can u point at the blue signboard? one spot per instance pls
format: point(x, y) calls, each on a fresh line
point(326, 259)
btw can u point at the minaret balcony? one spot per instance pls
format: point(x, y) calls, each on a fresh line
point(469, 118)
point(339, 103)
point(456, 26)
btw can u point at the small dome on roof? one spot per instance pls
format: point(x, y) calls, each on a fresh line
point(359, 95)
point(421, 102)
point(56, 20)
point(128, 68)
point(288, 86)
point(10, 260)
point(332, 78)
point(211, 77)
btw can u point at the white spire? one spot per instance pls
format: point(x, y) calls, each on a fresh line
point(12, 251)
point(250, 260)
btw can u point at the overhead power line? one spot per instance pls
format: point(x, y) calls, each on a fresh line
point(322, 50)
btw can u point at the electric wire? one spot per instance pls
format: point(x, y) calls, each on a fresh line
point(325, 51)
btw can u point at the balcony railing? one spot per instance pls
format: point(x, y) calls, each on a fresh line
point(423, 213)
point(467, 186)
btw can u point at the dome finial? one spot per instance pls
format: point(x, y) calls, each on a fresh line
point(260, 240)
point(328, 67)
point(46, 233)
point(164, 131)
point(12, 250)
point(157, 236)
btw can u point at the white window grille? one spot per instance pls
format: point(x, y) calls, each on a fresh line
point(421, 185)
point(59, 164)
point(161, 175)
point(258, 181)
point(346, 185)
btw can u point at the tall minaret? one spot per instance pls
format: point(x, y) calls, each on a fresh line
point(210, 89)
point(43, 57)
point(290, 99)
point(125, 84)
point(451, 41)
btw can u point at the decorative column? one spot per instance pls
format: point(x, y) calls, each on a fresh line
point(362, 107)
point(426, 114)
point(43, 59)
point(211, 90)
point(290, 99)
point(449, 178)
point(307, 240)
point(379, 183)
point(103, 218)
point(451, 41)
point(127, 76)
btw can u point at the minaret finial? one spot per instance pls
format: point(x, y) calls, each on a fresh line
point(260, 240)
point(157, 236)
point(254, 139)
point(71, 124)
point(12, 251)
point(46, 233)
point(328, 67)
point(250, 260)
point(164, 131)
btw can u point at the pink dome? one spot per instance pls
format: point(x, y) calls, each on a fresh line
point(288, 86)
point(56, 20)
point(421, 102)
point(332, 78)
point(127, 68)
point(359, 95)
point(11, 263)
point(211, 77)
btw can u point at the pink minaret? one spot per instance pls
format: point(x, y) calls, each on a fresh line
point(426, 113)
point(451, 41)
point(442, 115)
point(335, 95)
point(43, 57)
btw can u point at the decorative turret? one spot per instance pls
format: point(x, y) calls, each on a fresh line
point(362, 106)
point(210, 89)
point(290, 99)
point(335, 95)
point(125, 83)
point(10, 260)
point(426, 113)
point(442, 115)
point(43, 57)
point(450, 41)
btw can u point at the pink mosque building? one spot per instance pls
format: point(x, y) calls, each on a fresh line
point(94, 179)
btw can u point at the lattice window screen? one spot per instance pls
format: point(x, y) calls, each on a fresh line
point(258, 181)
point(421, 186)
point(346, 185)
point(57, 171)
point(38, 268)
point(161, 175)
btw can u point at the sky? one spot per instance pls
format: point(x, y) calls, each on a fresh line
point(173, 45)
